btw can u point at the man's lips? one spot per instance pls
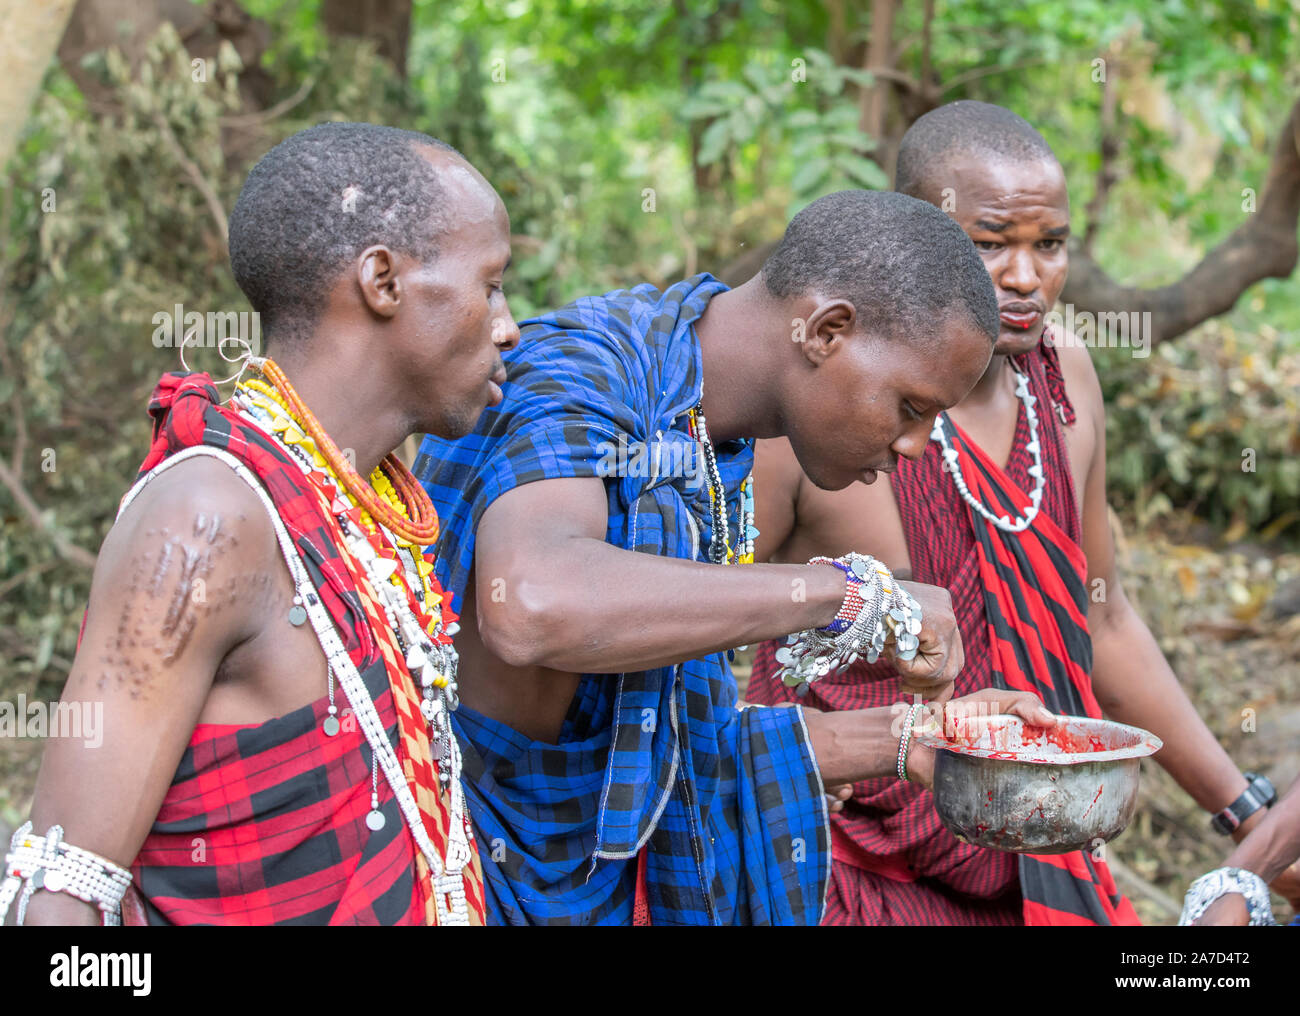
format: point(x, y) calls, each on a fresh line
point(1020, 316)
point(495, 382)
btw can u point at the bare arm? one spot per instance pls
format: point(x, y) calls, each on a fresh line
point(1274, 844)
point(156, 633)
point(1131, 677)
point(552, 593)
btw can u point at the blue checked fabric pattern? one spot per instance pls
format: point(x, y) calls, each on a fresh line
point(728, 802)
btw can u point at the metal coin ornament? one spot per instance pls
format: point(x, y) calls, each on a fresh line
point(375, 821)
point(297, 615)
point(330, 726)
point(875, 609)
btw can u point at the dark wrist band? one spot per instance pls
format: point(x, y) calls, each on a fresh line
point(1258, 794)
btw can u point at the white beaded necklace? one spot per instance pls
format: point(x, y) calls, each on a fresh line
point(950, 457)
point(425, 659)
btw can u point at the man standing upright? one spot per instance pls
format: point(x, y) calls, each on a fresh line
point(611, 777)
point(272, 654)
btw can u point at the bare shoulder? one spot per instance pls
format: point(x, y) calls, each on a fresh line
point(196, 502)
point(185, 564)
point(1081, 382)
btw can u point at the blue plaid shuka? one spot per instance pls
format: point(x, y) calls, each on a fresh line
point(727, 803)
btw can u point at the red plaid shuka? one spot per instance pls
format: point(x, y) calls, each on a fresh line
point(265, 823)
point(1021, 603)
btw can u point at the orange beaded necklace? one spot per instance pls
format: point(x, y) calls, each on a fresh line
point(419, 525)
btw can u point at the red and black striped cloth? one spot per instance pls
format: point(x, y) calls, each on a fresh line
point(266, 823)
point(1021, 602)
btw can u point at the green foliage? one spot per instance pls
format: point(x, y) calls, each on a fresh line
point(1211, 423)
point(103, 228)
point(800, 110)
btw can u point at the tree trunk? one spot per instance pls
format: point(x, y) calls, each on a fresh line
point(31, 36)
point(875, 103)
point(386, 22)
point(130, 24)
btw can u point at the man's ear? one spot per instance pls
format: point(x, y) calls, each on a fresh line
point(828, 327)
point(377, 275)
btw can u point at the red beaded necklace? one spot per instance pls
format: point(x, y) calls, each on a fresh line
point(419, 525)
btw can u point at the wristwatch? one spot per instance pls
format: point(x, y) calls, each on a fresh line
point(1259, 794)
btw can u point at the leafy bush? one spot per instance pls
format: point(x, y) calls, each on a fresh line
point(1210, 422)
point(104, 226)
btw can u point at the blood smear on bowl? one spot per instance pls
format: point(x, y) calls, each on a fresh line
point(1001, 783)
point(1076, 739)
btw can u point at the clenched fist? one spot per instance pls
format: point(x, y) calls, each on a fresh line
point(939, 658)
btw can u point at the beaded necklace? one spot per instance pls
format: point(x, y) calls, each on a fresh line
point(720, 551)
point(415, 520)
point(414, 603)
point(950, 457)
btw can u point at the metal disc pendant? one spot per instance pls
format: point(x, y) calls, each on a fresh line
point(297, 615)
point(375, 820)
point(330, 726)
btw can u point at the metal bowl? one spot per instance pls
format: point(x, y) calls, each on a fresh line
point(1038, 790)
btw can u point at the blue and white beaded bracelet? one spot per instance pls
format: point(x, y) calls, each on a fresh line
point(875, 608)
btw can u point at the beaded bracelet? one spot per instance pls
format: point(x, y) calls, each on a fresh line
point(875, 607)
point(905, 740)
point(1222, 881)
point(47, 862)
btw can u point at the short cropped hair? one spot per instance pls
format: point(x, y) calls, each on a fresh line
point(317, 200)
point(967, 128)
point(903, 263)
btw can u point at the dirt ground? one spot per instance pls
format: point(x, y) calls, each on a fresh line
point(1229, 621)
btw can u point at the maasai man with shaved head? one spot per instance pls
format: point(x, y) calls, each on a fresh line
point(273, 658)
point(1007, 509)
point(587, 522)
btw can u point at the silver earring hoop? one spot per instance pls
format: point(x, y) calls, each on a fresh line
point(246, 359)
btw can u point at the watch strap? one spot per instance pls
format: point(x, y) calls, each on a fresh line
point(1259, 793)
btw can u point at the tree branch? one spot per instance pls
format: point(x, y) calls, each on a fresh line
point(215, 208)
point(1106, 175)
point(1262, 247)
point(14, 581)
point(894, 75)
point(66, 549)
point(266, 115)
point(980, 72)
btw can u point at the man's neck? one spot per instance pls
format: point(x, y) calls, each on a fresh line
point(347, 400)
point(989, 387)
point(738, 355)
